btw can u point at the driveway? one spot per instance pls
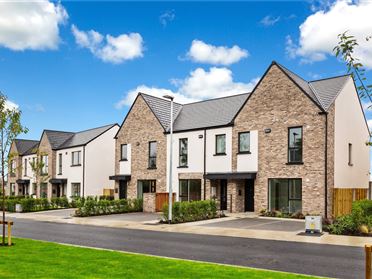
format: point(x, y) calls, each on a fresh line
point(260, 224)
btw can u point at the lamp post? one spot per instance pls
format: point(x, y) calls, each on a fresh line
point(170, 202)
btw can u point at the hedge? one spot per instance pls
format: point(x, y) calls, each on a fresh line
point(358, 222)
point(191, 211)
point(92, 206)
point(31, 205)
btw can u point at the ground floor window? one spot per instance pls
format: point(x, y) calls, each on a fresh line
point(43, 190)
point(285, 195)
point(12, 189)
point(145, 186)
point(34, 188)
point(75, 189)
point(190, 189)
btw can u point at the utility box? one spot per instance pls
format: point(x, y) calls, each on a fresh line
point(18, 207)
point(313, 224)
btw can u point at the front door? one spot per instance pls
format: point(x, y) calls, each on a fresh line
point(122, 189)
point(223, 197)
point(249, 195)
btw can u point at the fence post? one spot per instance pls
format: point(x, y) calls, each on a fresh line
point(368, 249)
point(9, 233)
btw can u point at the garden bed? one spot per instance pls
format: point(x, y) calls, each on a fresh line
point(29, 204)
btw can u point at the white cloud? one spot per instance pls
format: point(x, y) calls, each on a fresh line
point(31, 24)
point(269, 20)
point(167, 17)
point(318, 33)
point(369, 122)
point(199, 85)
point(11, 105)
point(217, 55)
point(108, 48)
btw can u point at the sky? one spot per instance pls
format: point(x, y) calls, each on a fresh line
point(75, 65)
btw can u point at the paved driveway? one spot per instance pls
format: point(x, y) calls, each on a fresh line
point(261, 224)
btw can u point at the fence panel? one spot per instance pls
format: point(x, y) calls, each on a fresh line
point(343, 199)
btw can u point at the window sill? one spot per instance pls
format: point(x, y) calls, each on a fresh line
point(151, 168)
point(295, 163)
point(123, 160)
point(78, 165)
point(220, 154)
point(182, 167)
point(244, 152)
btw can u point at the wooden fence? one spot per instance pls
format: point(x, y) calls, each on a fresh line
point(343, 199)
point(161, 199)
point(368, 249)
point(108, 192)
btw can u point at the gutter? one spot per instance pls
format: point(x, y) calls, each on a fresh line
point(83, 171)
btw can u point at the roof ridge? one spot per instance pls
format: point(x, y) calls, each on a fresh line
point(344, 75)
point(218, 98)
point(48, 130)
point(111, 124)
point(27, 140)
point(160, 98)
point(280, 65)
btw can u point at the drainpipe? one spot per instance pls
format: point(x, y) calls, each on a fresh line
point(205, 164)
point(83, 171)
point(325, 165)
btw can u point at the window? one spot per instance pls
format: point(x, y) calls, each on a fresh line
point(295, 145)
point(75, 189)
point(12, 189)
point(34, 188)
point(60, 163)
point(25, 167)
point(12, 167)
point(221, 144)
point(76, 158)
point(43, 190)
point(44, 160)
point(145, 186)
point(183, 153)
point(152, 154)
point(124, 152)
point(285, 195)
point(350, 163)
point(244, 142)
point(190, 190)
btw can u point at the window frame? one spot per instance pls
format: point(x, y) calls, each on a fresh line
point(152, 157)
point(72, 186)
point(188, 183)
point(288, 195)
point(45, 168)
point(350, 154)
point(244, 152)
point(122, 158)
point(219, 153)
point(152, 186)
point(180, 155)
point(25, 167)
point(60, 163)
point(13, 167)
point(291, 148)
point(72, 158)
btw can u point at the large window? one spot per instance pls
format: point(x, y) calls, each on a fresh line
point(25, 167)
point(183, 153)
point(285, 195)
point(76, 158)
point(124, 152)
point(295, 145)
point(244, 142)
point(12, 167)
point(190, 189)
point(60, 163)
point(45, 165)
point(145, 186)
point(43, 190)
point(75, 189)
point(221, 144)
point(152, 154)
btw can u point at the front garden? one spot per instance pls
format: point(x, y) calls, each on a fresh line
point(29, 204)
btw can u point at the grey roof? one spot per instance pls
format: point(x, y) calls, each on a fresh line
point(161, 109)
point(57, 138)
point(26, 147)
point(209, 113)
point(84, 137)
point(323, 92)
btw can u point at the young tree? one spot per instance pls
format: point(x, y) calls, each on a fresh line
point(38, 170)
point(10, 128)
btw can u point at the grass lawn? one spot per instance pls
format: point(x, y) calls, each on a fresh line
point(36, 259)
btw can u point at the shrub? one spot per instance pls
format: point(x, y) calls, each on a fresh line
point(30, 204)
point(191, 211)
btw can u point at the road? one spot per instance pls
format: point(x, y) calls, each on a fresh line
point(312, 259)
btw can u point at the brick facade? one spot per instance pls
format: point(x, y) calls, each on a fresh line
point(12, 178)
point(46, 149)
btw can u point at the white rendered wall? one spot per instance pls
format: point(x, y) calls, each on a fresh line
point(125, 166)
point(249, 162)
point(350, 127)
point(218, 163)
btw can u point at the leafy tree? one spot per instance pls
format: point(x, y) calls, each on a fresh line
point(10, 128)
point(38, 169)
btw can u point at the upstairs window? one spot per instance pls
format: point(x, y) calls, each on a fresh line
point(60, 163)
point(12, 167)
point(295, 145)
point(76, 158)
point(124, 152)
point(244, 142)
point(183, 152)
point(221, 144)
point(152, 154)
point(45, 164)
point(350, 155)
point(25, 167)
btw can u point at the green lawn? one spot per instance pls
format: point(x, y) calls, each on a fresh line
point(36, 259)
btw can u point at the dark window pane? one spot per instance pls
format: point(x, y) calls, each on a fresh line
point(124, 152)
point(285, 195)
point(152, 154)
point(244, 142)
point(295, 145)
point(220, 144)
point(183, 152)
point(195, 190)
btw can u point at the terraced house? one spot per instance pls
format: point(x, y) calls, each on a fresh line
point(75, 163)
point(285, 146)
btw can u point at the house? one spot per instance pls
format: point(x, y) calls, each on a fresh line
point(288, 145)
point(75, 163)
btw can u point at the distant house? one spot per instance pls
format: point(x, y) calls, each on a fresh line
point(285, 146)
point(75, 164)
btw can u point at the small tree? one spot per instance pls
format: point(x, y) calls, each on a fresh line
point(38, 167)
point(10, 128)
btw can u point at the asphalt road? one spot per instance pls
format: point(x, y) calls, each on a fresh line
point(313, 259)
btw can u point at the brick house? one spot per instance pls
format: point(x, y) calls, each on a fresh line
point(285, 146)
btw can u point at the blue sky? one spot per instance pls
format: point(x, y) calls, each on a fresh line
point(65, 79)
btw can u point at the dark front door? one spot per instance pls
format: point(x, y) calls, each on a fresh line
point(223, 193)
point(58, 190)
point(249, 195)
point(122, 189)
